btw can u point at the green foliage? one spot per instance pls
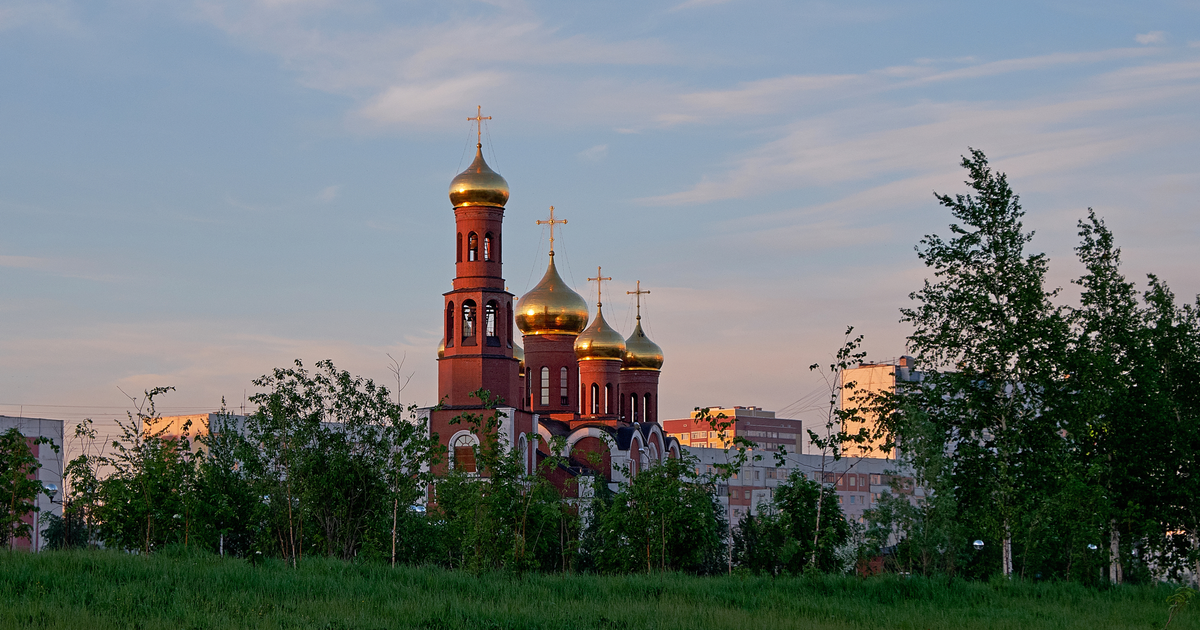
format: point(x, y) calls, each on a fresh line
point(329, 455)
point(1065, 438)
point(786, 535)
point(987, 334)
point(19, 486)
point(498, 517)
point(665, 519)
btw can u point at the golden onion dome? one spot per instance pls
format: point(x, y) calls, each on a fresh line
point(479, 185)
point(519, 355)
point(442, 348)
point(640, 352)
point(551, 308)
point(599, 341)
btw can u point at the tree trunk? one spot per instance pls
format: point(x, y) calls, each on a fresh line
point(395, 504)
point(1114, 555)
point(1007, 555)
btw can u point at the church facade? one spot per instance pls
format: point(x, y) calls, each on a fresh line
point(575, 385)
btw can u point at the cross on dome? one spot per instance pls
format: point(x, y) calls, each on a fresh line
point(552, 222)
point(599, 279)
point(479, 118)
point(639, 293)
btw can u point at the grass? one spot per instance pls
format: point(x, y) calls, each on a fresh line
point(100, 590)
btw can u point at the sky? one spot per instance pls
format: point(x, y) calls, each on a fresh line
point(194, 192)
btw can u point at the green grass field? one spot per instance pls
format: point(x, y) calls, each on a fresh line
point(98, 590)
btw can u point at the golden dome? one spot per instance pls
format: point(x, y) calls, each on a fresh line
point(551, 308)
point(599, 341)
point(519, 355)
point(442, 348)
point(640, 352)
point(479, 185)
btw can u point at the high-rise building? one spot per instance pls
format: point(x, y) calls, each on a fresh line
point(753, 423)
point(867, 379)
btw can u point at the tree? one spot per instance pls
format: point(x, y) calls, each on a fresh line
point(330, 455)
point(801, 529)
point(147, 500)
point(19, 485)
point(499, 517)
point(667, 518)
point(987, 334)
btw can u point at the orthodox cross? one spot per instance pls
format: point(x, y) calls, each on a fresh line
point(552, 222)
point(639, 293)
point(479, 118)
point(599, 279)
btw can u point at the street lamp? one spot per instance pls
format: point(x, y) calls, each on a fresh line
point(978, 544)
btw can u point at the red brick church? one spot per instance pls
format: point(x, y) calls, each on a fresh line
point(582, 382)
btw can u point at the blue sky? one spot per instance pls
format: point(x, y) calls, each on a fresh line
point(194, 192)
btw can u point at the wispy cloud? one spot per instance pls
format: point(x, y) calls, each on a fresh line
point(1153, 37)
point(594, 154)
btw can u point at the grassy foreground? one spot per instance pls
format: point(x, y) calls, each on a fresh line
point(99, 590)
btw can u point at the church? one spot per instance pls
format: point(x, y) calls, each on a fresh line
point(577, 379)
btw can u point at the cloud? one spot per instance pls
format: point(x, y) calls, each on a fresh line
point(1153, 37)
point(888, 140)
point(594, 154)
point(50, 13)
point(694, 4)
point(414, 103)
point(406, 75)
point(22, 262)
point(328, 193)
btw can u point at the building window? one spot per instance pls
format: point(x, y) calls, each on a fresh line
point(468, 320)
point(595, 398)
point(633, 407)
point(649, 415)
point(563, 393)
point(487, 246)
point(875, 480)
point(523, 449)
point(489, 324)
point(464, 454)
point(450, 325)
point(747, 494)
point(472, 247)
point(608, 399)
point(545, 387)
point(458, 249)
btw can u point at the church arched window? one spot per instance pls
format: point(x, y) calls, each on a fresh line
point(633, 407)
point(523, 449)
point(464, 453)
point(468, 321)
point(458, 249)
point(487, 246)
point(646, 398)
point(545, 387)
point(595, 398)
point(489, 324)
point(472, 247)
point(608, 399)
point(450, 325)
point(563, 392)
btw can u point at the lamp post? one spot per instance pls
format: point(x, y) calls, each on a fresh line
point(978, 545)
point(52, 490)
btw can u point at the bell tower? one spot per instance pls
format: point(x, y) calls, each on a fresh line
point(477, 347)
